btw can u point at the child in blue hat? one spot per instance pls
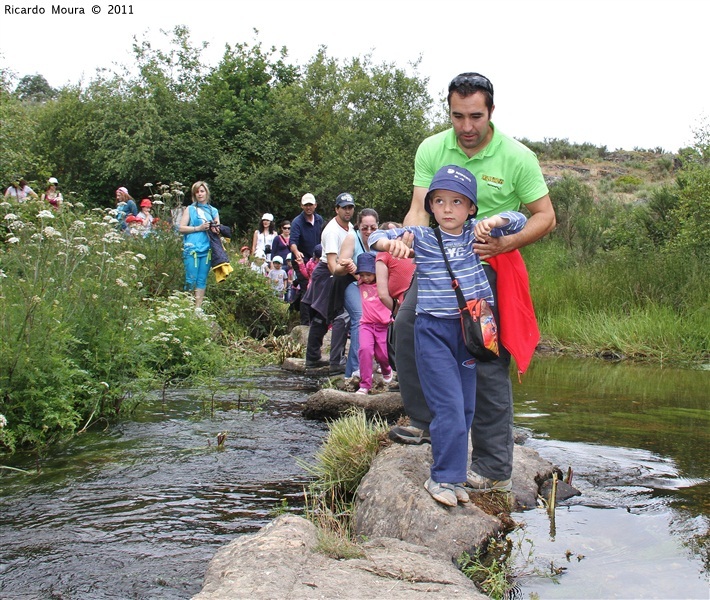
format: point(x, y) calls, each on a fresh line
point(373, 325)
point(447, 371)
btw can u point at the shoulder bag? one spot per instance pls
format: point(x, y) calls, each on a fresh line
point(480, 331)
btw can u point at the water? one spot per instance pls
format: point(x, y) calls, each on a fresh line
point(637, 438)
point(139, 510)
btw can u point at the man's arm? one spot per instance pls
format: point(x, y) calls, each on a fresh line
point(417, 214)
point(541, 222)
point(332, 262)
point(345, 258)
point(294, 239)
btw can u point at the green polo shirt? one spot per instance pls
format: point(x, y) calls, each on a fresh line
point(507, 173)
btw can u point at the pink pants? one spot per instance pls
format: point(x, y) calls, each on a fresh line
point(373, 344)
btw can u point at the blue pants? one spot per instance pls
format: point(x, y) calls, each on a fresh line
point(353, 306)
point(492, 429)
point(448, 380)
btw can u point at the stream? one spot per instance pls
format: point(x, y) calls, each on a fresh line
point(137, 510)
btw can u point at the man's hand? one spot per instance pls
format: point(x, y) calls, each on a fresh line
point(348, 265)
point(494, 247)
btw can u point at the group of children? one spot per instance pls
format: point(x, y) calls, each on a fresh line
point(281, 276)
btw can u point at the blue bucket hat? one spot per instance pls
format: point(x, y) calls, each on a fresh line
point(454, 179)
point(365, 263)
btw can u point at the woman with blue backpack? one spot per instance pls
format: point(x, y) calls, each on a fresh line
point(195, 223)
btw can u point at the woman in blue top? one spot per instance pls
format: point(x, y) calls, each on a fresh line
point(195, 222)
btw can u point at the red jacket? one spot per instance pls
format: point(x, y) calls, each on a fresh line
point(518, 326)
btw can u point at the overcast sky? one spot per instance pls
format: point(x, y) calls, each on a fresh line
point(620, 73)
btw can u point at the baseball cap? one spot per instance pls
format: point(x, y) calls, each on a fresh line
point(344, 199)
point(146, 202)
point(454, 179)
point(277, 259)
point(365, 263)
point(53, 180)
point(267, 217)
point(308, 199)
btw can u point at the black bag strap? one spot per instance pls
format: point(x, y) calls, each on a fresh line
point(454, 282)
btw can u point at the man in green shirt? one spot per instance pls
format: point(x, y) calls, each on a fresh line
point(508, 175)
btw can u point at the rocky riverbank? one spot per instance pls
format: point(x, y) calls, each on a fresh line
point(411, 541)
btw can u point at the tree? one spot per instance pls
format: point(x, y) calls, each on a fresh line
point(34, 88)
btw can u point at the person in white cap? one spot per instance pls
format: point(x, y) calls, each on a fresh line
point(306, 229)
point(264, 236)
point(51, 194)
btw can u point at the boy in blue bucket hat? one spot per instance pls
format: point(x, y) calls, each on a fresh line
point(373, 325)
point(450, 383)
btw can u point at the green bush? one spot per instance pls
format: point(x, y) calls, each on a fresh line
point(81, 331)
point(245, 304)
point(627, 183)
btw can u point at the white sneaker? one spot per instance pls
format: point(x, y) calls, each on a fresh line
point(388, 378)
point(479, 483)
point(356, 373)
point(363, 391)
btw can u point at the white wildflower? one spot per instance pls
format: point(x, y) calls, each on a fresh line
point(147, 185)
point(2, 273)
point(121, 283)
point(3, 421)
point(113, 237)
point(141, 256)
point(76, 205)
point(45, 214)
point(13, 240)
point(11, 217)
point(5, 204)
point(158, 203)
point(82, 249)
point(78, 225)
point(51, 232)
point(94, 296)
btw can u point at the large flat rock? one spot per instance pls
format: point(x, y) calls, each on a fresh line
point(280, 562)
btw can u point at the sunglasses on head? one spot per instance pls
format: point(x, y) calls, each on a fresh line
point(474, 80)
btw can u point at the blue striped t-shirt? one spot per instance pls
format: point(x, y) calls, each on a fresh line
point(436, 296)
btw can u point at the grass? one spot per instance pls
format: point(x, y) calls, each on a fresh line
point(343, 460)
point(496, 568)
point(644, 308)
